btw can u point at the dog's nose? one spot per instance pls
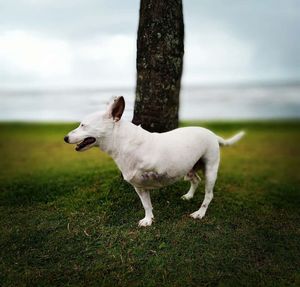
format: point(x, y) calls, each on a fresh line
point(66, 139)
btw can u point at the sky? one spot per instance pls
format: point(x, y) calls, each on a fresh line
point(71, 43)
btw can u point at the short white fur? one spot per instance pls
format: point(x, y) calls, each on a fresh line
point(153, 160)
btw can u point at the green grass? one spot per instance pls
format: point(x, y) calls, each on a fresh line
point(68, 219)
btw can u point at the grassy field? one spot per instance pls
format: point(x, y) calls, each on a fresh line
point(68, 219)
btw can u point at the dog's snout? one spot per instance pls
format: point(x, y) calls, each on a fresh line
point(66, 139)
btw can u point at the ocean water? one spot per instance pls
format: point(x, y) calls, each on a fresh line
point(228, 102)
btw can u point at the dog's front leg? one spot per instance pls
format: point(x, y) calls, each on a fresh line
point(146, 201)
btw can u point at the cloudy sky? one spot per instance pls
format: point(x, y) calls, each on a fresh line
point(68, 43)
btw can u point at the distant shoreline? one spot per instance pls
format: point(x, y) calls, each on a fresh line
point(94, 88)
point(239, 102)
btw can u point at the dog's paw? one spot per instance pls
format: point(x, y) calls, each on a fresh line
point(198, 214)
point(186, 197)
point(145, 222)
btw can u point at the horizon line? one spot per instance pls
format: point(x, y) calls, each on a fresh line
point(97, 87)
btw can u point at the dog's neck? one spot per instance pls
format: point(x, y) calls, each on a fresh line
point(122, 143)
point(122, 136)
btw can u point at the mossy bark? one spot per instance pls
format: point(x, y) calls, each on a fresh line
point(160, 52)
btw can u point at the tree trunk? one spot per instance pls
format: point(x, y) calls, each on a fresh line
point(159, 64)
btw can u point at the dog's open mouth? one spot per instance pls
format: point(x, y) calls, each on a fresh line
point(84, 143)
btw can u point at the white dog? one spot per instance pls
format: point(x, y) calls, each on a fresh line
point(153, 160)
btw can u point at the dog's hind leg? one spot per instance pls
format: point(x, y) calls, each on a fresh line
point(194, 179)
point(146, 201)
point(211, 171)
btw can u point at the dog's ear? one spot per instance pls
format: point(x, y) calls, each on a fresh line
point(117, 108)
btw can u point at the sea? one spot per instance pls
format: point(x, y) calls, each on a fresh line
point(231, 102)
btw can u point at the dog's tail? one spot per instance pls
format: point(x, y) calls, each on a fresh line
point(232, 140)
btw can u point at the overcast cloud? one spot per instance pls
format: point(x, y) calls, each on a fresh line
point(93, 42)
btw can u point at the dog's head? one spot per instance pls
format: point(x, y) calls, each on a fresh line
point(97, 126)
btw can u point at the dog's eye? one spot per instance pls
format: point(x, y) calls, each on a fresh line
point(82, 125)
